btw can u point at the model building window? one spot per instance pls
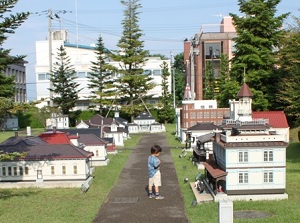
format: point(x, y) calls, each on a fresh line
point(3, 171)
point(243, 177)
point(21, 170)
point(26, 170)
point(52, 170)
point(268, 177)
point(64, 170)
point(243, 156)
point(75, 169)
point(15, 171)
point(268, 156)
point(9, 170)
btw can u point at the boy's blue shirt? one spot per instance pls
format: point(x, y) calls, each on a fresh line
point(152, 165)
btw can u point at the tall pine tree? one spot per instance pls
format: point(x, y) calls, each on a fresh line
point(100, 79)
point(259, 34)
point(133, 85)
point(64, 87)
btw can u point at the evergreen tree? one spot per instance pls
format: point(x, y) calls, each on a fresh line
point(167, 112)
point(287, 87)
point(64, 87)
point(179, 78)
point(228, 86)
point(133, 85)
point(259, 34)
point(100, 79)
point(209, 82)
point(8, 24)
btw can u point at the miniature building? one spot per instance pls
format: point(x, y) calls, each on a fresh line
point(249, 160)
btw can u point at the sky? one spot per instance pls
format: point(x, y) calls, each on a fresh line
point(164, 24)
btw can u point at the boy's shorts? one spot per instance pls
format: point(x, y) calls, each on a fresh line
point(155, 180)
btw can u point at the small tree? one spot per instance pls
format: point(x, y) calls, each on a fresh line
point(209, 82)
point(100, 79)
point(62, 77)
point(228, 86)
point(166, 113)
point(179, 77)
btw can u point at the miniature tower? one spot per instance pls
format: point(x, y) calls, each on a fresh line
point(242, 110)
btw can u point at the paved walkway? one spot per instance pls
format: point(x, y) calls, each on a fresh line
point(128, 201)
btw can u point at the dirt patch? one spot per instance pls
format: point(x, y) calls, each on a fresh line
point(251, 214)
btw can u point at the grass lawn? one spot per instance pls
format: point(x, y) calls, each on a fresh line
point(70, 205)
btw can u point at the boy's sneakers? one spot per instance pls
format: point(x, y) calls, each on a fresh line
point(151, 196)
point(159, 197)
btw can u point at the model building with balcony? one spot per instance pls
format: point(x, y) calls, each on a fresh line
point(249, 161)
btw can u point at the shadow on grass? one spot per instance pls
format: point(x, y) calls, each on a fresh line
point(7, 194)
point(293, 152)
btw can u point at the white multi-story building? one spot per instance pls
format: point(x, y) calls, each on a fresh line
point(19, 72)
point(81, 57)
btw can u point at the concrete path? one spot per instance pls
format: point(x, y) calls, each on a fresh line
point(128, 201)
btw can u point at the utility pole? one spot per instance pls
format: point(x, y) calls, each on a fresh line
point(173, 80)
point(50, 53)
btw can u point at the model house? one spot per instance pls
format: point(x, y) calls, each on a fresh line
point(95, 145)
point(193, 112)
point(249, 157)
point(109, 128)
point(45, 164)
point(145, 122)
point(110, 143)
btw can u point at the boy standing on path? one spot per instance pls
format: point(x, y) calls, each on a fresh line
point(154, 172)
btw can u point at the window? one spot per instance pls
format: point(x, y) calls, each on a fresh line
point(268, 177)
point(81, 74)
point(212, 50)
point(243, 177)
point(43, 77)
point(9, 170)
point(97, 153)
point(4, 171)
point(156, 72)
point(21, 170)
point(75, 169)
point(147, 72)
point(243, 156)
point(63, 170)
point(26, 170)
point(193, 115)
point(268, 155)
point(52, 170)
point(15, 171)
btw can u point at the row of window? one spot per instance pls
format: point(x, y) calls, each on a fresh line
point(268, 177)
point(20, 171)
point(14, 171)
point(63, 170)
point(83, 74)
point(268, 156)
